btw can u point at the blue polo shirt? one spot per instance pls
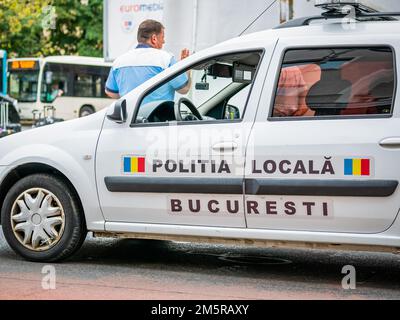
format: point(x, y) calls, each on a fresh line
point(139, 65)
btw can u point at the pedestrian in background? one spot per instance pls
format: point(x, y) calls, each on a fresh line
point(144, 62)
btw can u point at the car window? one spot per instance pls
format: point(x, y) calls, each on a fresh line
point(218, 90)
point(237, 103)
point(335, 82)
point(55, 82)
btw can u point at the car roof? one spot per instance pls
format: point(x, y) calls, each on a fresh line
point(329, 29)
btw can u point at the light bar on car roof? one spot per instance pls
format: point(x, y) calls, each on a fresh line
point(335, 4)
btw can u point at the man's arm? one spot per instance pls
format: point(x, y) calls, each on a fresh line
point(184, 54)
point(186, 88)
point(112, 95)
point(112, 87)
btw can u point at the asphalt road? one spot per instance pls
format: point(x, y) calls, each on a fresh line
point(147, 270)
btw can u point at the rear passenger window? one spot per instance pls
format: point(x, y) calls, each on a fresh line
point(335, 82)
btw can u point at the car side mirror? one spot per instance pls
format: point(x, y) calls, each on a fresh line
point(119, 114)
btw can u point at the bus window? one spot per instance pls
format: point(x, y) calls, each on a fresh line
point(89, 81)
point(105, 71)
point(83, 85)
point(23, 84)
point(98, 87)
point(55, 82)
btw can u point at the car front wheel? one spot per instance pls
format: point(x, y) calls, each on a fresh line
point(42, 219)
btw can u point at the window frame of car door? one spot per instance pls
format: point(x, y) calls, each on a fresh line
point(344, 117)
point(261, 52)
point(226, 101)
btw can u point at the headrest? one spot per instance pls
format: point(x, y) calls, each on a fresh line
point(330, 95)
point(382, 89)
point(383, 96)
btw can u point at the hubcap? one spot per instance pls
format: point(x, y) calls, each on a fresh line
point(37, 219)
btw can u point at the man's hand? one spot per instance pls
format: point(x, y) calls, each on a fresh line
point(185, 53)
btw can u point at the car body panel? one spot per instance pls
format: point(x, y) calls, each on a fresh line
point(319, 139)
point(63, 146)
point(363, 221)
point(173, 142)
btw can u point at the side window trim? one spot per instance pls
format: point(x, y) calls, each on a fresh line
point(163, 82)
point(341, 117)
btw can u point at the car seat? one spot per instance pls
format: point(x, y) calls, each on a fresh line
point(330, 95)
point(383, 96)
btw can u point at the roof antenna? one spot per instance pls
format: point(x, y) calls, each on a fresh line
point(333, 9)
point(254, 21)
point(335, 5)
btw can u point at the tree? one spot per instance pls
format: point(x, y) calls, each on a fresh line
point(20, 29)
point(79, 28)
point(51, 27)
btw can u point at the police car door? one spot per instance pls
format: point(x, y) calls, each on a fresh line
point(324, 151)
point(187, 172)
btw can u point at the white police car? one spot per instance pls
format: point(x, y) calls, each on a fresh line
point(290, 137)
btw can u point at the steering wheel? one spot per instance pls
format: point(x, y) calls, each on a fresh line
point(177, 109)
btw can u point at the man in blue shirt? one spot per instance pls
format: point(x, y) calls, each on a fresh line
point(144, 62)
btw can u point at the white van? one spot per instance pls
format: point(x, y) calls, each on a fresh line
point(310, 157)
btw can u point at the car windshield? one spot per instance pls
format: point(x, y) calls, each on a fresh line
point(23, 85)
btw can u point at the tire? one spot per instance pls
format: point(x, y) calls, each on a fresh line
point(59, 217)
point(86, 111)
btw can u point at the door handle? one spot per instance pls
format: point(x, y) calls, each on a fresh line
point(390, 142)
point(225, 146)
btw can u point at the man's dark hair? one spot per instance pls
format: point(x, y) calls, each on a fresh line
point(147, 28)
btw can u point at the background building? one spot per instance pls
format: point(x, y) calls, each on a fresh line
point(198, 24)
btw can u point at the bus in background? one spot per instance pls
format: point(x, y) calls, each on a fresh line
point(74, 86)
point(3, 72)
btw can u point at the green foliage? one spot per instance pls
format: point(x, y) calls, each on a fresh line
point(30, 28)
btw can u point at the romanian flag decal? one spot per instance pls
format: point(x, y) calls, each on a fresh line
point(134, 165)
point(357, 167)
